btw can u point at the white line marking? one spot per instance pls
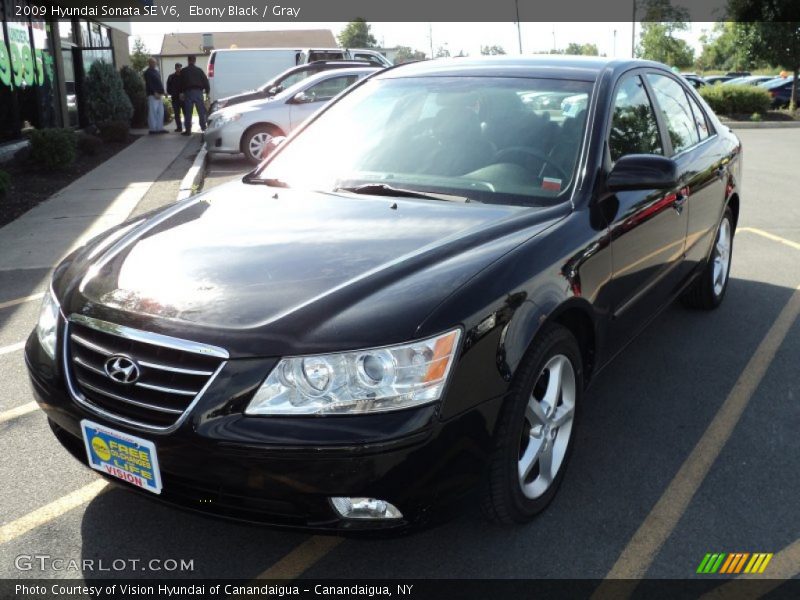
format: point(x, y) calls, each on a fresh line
point(12, 348)
point(13, 413)
point(22, 300)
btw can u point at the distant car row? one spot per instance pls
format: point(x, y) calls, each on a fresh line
point(779, 88)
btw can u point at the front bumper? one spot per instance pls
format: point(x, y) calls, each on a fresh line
point(282, 471)
point(225, 139)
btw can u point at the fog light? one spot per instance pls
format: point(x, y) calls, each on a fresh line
point(365, 508)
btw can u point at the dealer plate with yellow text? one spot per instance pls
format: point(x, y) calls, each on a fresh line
point(121, 455)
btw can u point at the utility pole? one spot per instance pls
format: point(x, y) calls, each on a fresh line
point(633, 29)
point(519, 29)
point(430, 37)
point(614, 51)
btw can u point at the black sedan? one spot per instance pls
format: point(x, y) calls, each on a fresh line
point(358, 342)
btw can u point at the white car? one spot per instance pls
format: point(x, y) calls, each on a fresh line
point(249, 127)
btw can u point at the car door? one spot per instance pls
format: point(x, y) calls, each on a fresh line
point(647, 227)
point(316, 95)
point(700, 159)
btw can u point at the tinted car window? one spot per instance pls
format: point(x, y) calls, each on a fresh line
point(634, 129)
point(677, 114)
point(327, 89)
point(699, 119)
point(492, 139)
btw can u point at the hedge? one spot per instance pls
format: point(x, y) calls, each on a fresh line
point(734, 100)
point(53, 148)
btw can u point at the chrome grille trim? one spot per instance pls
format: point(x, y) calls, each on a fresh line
point(155, 339)
point(73, 381)
point(89, 386)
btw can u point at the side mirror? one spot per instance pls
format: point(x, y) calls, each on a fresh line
point(301, 98)
point(643, 172)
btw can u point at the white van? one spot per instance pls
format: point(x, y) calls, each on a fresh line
point(237, 70)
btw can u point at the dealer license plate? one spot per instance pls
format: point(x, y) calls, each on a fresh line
point(122, 455)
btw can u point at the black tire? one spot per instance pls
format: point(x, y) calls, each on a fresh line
point(704, 293)
point(503, 499)
point(250, 134)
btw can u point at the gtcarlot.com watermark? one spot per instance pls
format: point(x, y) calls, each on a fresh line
point(46, 562)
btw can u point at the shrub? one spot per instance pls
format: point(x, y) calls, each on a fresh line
point(53, 148)
point(5, 183)
point(89, 144)
point(133, 84)
point(114, 131)
point(734, 100)
point(106, 100)
point(169, 114)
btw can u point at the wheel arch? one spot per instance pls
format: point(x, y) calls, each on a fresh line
point(733, 203)
point(270, 126)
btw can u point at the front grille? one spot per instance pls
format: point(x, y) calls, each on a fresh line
point(172, 373)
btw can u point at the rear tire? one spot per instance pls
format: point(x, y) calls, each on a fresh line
point(536, 429)
point(708, 290)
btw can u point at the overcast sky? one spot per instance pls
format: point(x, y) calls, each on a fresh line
point(454, 36)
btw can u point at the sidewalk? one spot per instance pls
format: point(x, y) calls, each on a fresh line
point(102, 198)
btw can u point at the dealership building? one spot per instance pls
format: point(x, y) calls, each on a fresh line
point(42, 66)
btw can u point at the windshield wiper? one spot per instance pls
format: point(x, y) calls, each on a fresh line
point(253, 178)
point(382, 189)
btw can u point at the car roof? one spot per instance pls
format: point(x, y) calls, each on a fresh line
point(585, 68)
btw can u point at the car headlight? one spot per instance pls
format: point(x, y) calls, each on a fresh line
point(364, 381)
point(47, 326)
point(225, 119)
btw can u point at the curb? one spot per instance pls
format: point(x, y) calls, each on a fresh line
point(194, 177)
point(762, 124)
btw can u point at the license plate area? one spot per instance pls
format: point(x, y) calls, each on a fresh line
point(122, 455)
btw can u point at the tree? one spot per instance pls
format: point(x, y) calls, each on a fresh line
point(582, 49)
point(492, 50)
point(407, 54)
point(771, 32)
point(139, 55)
point(660, 22)
point(107, 105)
point(357, 34)
point(442, 52)
point(133, 83)
point(725, 48)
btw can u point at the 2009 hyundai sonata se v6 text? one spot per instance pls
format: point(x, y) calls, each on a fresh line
point(358, 342)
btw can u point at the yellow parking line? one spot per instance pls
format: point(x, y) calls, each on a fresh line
point(51, 511)
point(22, 300)
point(13, 413)
point(770, 236)
point(301, 558)
point(638, 555)
point(12, 348)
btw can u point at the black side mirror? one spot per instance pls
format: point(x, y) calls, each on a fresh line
point(642, 172)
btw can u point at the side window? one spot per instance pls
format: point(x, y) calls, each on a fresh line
point(634, 129)
point(677, 113)
point(325, 90)
point(699, 119)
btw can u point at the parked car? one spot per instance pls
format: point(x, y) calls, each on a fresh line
point(248, 127)
point(286, 79)
point(780, 90)
point(232, 71)
point(405, 302)
point(749, 80)
point(695, 80)
point(712, 79)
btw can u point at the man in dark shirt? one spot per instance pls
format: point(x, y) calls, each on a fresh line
point(174, 90)
point(154, 88)
point(193, 83)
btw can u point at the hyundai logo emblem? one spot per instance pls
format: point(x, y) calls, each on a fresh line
point(122, 369)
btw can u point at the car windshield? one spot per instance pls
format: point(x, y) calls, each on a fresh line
point(487, 139)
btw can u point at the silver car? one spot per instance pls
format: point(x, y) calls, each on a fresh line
point(249, 127)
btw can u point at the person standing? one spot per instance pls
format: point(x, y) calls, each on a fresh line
point(193, 83)
point(174, 90)
point(154, 88)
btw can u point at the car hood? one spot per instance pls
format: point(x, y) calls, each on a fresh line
point(303, 267)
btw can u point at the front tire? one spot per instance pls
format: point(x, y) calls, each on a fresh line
point(255, 141)
point(708, 290)
point(536, 429)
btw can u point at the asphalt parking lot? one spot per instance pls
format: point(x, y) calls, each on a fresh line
point(688, 445)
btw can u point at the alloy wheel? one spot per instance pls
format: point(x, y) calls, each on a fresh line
point(549, 416)
point(258, 143)
point(722, 256)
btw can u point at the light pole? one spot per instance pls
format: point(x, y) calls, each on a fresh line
point(519, 29)
point(633, 29)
